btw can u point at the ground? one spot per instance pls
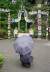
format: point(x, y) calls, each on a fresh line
point(40, 52)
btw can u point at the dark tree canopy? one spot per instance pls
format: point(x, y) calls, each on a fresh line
point(32, 1)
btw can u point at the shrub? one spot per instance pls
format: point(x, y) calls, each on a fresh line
point(3, 33)
point(1, 59)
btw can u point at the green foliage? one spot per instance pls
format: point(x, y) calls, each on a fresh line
point(39, 1)
point(49, 20)
point(1, 59)
point(43, 31)
point(14, 9)
point(3, 33)
point(22, 25)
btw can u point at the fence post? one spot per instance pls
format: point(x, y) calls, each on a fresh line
point(39, 23)
point(9, 32)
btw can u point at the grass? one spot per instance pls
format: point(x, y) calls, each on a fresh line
point(1, 59)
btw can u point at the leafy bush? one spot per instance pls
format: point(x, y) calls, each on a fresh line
point(3, 33)
point(1, 59)
point(22, 25)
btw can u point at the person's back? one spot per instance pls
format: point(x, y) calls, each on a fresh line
point(24, 44)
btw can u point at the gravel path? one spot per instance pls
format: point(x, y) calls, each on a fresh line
point(41, 53)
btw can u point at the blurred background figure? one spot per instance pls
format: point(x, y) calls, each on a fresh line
point(15, 32)
point(31, 31)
